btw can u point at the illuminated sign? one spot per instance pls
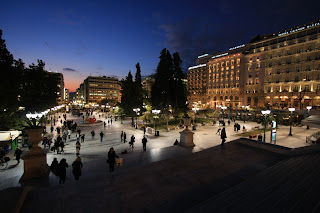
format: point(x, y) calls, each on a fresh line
point(197, 66)
point(217, 56)
point(204, 55)
point(299, 29)
point(239, 46)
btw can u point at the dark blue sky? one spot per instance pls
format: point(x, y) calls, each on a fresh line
point(79, 38)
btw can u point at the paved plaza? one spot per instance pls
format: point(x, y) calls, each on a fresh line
point(94, 153)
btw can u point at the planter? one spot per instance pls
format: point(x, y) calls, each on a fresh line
point(35, 162)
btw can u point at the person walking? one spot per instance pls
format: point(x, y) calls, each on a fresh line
point(61, 170)
point(124, 137)
point(112, 159)
point(18, 153)
point(76, 168)
point(121, 136)
point(82, 138)
point(223, 136)
point(78, 146)
point(101, 136)
point(104, 124)
point(93, 134)
point(54, 165)
point(69, 133)
point(144, 143)
point(132, 140)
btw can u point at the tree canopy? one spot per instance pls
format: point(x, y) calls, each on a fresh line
point(168, 90)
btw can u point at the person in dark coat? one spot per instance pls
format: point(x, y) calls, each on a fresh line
point(93, 134)
point(112, 159)
point(76, 168)
point(223, 135)
point(18, 153)
point(54, 165)
point(121, 135)
point(124, 137)
point(132, 140)
point(62, 171)
point(101, 136)
point(144, 143)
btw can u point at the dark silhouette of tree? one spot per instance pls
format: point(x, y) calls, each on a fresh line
point(168, 91)
point(179, 98)
point(39, 88)
point(127, 95)
point(138, 88)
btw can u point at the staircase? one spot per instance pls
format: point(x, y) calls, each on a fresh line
point(291, 185)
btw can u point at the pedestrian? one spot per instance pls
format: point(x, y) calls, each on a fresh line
point(104, 124)
point(82, 138)
point(111, 121)
point(112, 159)
point(132, 141)
point(101, 136)
point(235, 127)
point(219, 129)
point(64, 137)
point(51, 129)
point(229, 122)
point(238, 127)
point(54, 165)
point(69, 133)
point(61, 170)
point(144, 143)
point(18, 153)
point(124, 137)
point(76, 168)
point(121, 136)
point(93, 134)
point(78, 146)
point(61, 144)
point(259, 137)
point(58, 130)
point(144, 130)
point(223, 136)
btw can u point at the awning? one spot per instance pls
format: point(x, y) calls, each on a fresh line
point(312, 121)
point(9, 135)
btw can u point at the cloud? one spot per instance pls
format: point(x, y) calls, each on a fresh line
point(69, 70)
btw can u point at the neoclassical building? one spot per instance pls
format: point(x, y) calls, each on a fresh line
point(278, 70)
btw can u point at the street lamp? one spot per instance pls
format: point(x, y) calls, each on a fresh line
point(291, 110)
point(308, 108)
point(137, 110)
point(265, 114)
point(223, 108)
point(156, 112)
point(195, 109)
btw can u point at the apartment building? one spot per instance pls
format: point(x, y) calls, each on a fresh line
point(99, 90)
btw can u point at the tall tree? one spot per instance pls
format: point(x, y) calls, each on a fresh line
point(179, 92)
point(138, 87)
point(127, 95)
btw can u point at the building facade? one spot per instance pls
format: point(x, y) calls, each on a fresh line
point(105, 90)
point(278, 70)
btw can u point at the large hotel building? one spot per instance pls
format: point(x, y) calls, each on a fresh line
point(277, 70)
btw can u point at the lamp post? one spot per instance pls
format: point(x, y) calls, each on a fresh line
point(223, 108)
point(137, 110)
point(195, 109)
point(308, 108)
point(156, 112)
point(291, 110)
point(265, 114)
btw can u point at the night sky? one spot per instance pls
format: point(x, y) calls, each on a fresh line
point(79, 38)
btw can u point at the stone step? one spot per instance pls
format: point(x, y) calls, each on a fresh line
point(235, 194)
